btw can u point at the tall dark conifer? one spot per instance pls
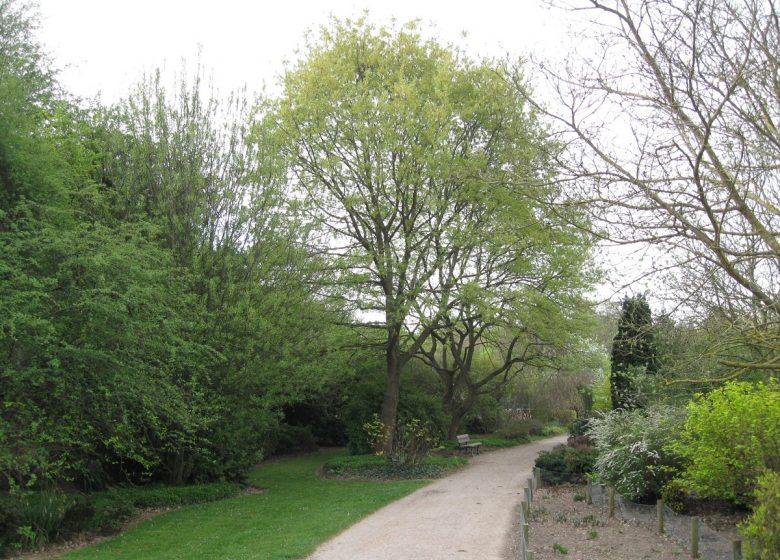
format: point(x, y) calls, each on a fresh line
point(633, 350)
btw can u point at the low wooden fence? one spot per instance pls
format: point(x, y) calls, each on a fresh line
point(699, 539)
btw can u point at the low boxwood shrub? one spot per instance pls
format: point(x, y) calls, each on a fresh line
point(373, 467)
point(172, 496)
point(565, 464)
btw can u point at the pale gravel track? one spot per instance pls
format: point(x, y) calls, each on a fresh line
point(468, 515)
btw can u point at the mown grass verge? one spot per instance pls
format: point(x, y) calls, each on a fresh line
point(298, 511)
point(371, 467)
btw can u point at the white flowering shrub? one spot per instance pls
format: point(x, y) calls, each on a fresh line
point(633, 449)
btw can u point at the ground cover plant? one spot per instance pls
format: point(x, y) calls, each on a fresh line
point(373, 467)
point(33, 519)
point(297, 511)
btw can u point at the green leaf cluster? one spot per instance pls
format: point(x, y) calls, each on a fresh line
point(730, 438)
point(155, 288)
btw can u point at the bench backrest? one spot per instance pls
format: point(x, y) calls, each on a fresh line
point(463, 439)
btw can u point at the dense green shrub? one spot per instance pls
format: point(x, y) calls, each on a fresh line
point(565, 464)
point(365, 400)
point(579, 427)
point(294, 439)
point(412, 441)
point(730, 437)
point(111, 508)
point(485, 416)
point(761, 530)
point(553, 428)
point(676, 495)
point(633, 449)
point(521, 428)
point(8, 525)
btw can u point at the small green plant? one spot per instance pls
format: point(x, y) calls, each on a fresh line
point(579, 497)
point(593, 535)
point(761, 530)
point(412, 442)
point(589, 520)
point(557, 547)
point(38, 516)
point(538, 513)
point(560, 517)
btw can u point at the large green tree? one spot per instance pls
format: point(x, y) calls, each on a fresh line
point(513, 300)
point(393, 142)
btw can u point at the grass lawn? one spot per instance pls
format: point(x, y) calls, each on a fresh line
point(298, 512)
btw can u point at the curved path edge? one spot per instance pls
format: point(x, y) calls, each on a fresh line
point(469, 514)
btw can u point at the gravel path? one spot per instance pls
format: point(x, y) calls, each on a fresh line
point(468, 515)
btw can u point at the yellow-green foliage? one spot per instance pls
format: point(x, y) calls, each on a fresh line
point(731, 436)
point(762, 529)
point(601, 393)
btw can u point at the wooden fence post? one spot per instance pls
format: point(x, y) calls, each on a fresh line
point(538, 477)
point(527, 495)
point(611, 502)
point(525, 533)
point(694, 537)
point(531, 489)
point(588, 493)
point(659, 512)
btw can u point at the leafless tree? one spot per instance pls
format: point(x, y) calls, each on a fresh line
point(671, 132)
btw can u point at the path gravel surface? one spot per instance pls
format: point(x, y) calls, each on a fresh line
point(468, 515)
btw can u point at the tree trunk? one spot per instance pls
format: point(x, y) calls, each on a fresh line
point(457, 413)
point(454, 427)
point(392, 390)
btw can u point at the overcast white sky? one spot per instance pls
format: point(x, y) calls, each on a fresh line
point(105, 45)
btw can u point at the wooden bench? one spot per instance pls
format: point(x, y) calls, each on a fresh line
point(464, 442)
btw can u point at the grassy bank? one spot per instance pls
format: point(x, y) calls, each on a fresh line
point(297, 511)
